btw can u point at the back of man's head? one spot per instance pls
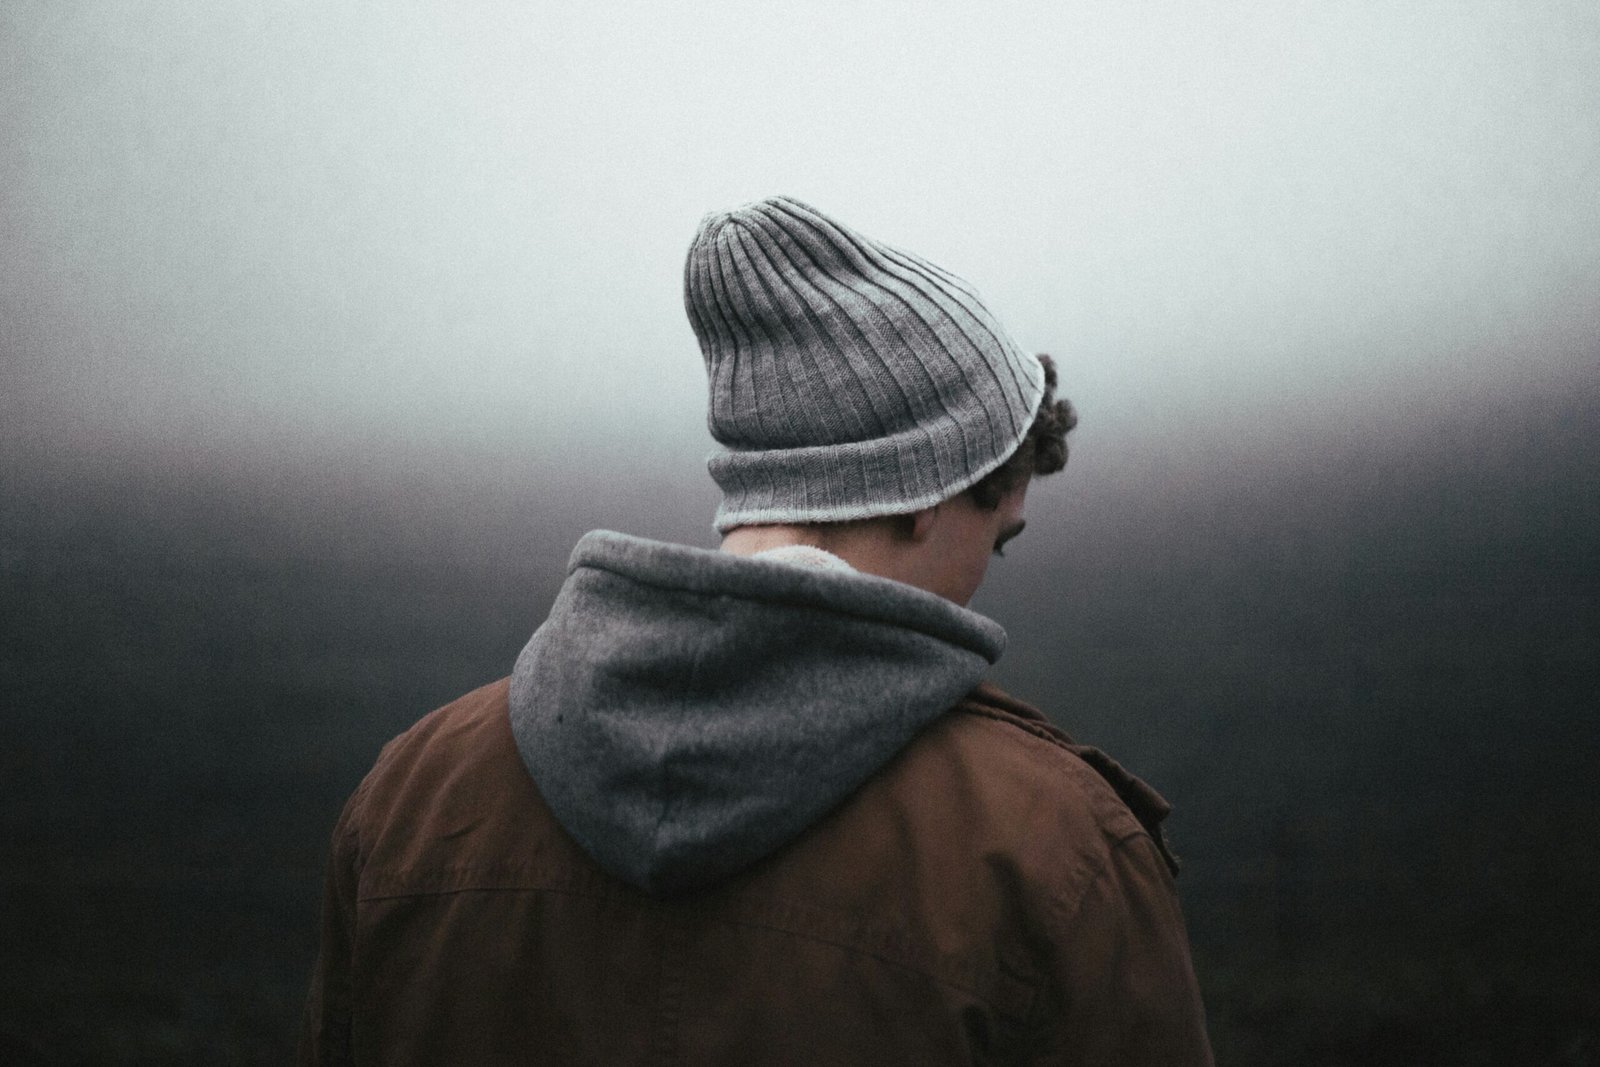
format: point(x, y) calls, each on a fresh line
point(849, 379)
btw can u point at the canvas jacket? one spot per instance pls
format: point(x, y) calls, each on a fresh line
point(668, 839)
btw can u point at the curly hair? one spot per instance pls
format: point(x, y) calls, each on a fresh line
point(1043, 449)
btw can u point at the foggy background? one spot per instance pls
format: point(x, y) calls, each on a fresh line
point(325, 330)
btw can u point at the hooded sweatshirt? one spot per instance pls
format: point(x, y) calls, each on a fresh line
point(686, 712)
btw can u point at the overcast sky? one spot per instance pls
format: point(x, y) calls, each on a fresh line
point(244, 224)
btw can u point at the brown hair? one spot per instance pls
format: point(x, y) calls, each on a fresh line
point(1043, 449)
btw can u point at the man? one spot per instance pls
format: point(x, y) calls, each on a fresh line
point(756, 805)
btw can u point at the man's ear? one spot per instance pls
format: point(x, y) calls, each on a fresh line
point(922, 523)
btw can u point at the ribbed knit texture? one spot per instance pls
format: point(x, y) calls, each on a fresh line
point(847, 379)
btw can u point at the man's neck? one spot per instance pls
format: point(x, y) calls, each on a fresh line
point(748, 540)
point(869, 547)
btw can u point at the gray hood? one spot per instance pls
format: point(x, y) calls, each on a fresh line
point(686, 712)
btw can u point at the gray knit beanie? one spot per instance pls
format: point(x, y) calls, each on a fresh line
point(848, 379)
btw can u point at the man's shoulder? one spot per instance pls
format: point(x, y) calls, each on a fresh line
point(454, 763)
point(1014, 759)
point(452, 724)
point(990, 824)
point(457, 731)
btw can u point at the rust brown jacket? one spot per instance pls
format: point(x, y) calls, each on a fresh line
point(990, 893)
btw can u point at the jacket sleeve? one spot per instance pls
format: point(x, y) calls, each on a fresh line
point(1122, 987)
point(325, 1028)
